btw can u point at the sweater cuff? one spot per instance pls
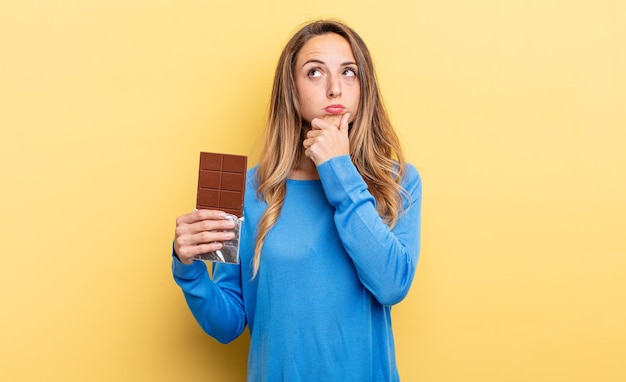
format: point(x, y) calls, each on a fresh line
point(340, 179)
point(187, 272)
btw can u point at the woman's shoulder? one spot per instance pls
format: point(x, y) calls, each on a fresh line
point(251, 172)
point(410, 173)
point(411, 177)
point(251, 180)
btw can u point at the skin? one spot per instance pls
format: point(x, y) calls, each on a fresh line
point(198, 232)
point(326, 74)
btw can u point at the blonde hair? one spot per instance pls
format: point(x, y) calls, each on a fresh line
point(374, 146)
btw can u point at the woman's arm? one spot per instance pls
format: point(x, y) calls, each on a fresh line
point(216, 304)
point(385, 259)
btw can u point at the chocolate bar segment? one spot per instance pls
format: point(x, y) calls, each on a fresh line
point(221, 182)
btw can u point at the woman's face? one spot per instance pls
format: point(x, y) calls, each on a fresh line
point(326, 79)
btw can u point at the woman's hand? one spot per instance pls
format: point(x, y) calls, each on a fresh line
point(201, 231)
point(327, 140)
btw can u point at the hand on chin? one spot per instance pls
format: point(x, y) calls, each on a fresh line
point(333, 119)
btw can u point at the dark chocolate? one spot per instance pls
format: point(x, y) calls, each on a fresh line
point(221, 182)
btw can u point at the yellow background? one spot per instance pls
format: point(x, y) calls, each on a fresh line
point(514, 112)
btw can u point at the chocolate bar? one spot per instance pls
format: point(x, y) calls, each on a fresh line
point(221, 182)
point(221, 185)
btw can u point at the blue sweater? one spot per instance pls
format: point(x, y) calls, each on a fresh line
point(320, 306)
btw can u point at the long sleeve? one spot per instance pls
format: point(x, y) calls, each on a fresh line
point(216, 304)
point(385, 259)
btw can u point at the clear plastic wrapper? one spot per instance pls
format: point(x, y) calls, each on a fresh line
point(229, 253)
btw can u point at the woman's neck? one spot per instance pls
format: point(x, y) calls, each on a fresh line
point(305, 170)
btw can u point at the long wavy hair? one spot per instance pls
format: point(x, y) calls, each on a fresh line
point(374, 146)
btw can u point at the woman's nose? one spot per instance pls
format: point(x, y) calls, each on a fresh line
point(334, 86)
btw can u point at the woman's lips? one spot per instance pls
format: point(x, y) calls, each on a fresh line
point(335, 109)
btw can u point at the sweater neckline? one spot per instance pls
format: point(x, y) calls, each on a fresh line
point(303, 182)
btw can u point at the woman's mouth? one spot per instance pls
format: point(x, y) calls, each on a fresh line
point(335, 109)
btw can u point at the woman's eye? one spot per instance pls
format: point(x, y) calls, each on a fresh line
point(350, 72)
point(314, 73)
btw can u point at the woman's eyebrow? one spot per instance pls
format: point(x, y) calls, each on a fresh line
point(318, 61)
point(313, 61)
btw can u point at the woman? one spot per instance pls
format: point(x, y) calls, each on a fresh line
point(330, 239)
